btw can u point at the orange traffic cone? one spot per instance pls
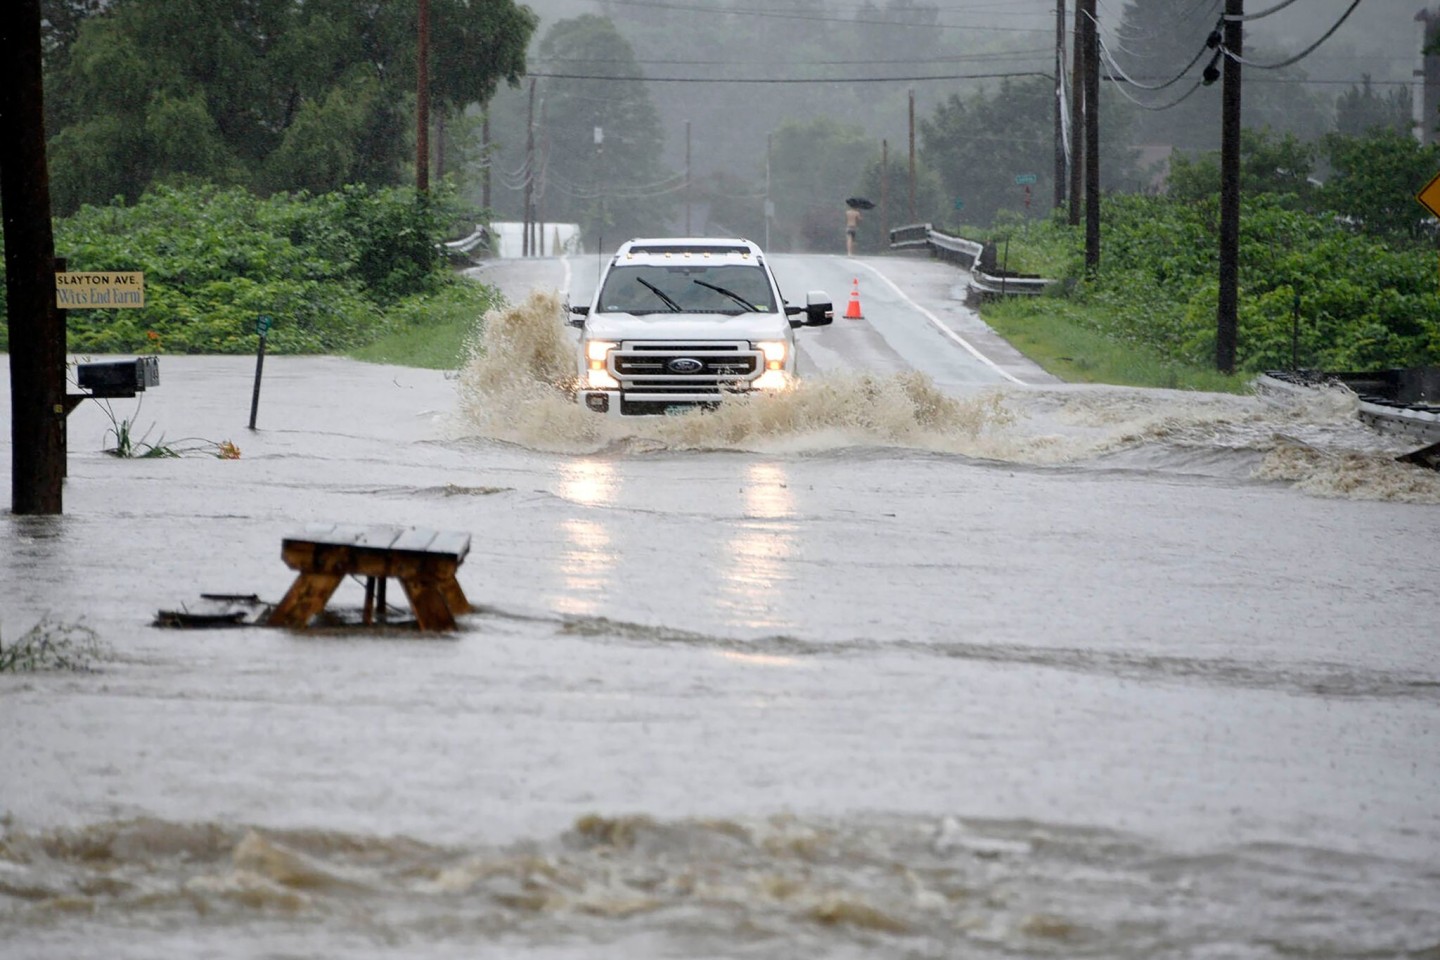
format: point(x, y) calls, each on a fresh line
point(852, 311)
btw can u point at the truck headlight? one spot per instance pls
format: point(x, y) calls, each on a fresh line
point(774, 351)
point(597, 377)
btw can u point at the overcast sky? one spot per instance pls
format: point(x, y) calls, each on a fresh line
point(1381, 37)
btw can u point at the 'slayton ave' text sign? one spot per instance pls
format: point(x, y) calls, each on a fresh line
point(99, 290)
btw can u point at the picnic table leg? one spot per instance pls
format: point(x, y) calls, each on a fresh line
point(369, 611)
point(455, 598)
point(431, 612)
point(305, 598)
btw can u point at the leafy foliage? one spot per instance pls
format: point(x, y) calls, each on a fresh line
point(270, 94)
point(1352, 302)
point(980, 143)
point(1375, 179)
point(49, 645)
point(333, 271)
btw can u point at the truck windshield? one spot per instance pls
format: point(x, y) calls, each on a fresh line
point(687, 288)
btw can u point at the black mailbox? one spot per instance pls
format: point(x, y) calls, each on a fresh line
point(118, 378)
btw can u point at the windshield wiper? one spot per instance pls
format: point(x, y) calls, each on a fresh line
point(728, 293)
point(675, 307)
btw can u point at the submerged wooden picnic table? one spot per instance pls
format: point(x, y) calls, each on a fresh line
point(422, 559)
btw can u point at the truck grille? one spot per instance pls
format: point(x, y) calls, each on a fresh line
point(661, 367)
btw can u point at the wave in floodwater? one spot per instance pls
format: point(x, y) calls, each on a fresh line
point(1296, 677)
point(779, 886)
point(517, 388)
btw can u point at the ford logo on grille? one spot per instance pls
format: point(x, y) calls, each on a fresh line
point(685, 365)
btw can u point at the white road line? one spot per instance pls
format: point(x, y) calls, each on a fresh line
point(940, 325)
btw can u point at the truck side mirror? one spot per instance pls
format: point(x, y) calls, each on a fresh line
point(819, 311)
point(578, 315)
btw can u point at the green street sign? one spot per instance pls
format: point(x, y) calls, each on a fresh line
point(1025, 179)
point(262, 325)
point(959, 204)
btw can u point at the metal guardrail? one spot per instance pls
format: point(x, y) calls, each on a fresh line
point(480, 238)
point(967, 253)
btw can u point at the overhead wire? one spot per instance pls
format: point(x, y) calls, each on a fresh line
point(1299, 56)
point(1262, 14)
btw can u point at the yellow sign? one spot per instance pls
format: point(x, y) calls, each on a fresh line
point(99, 290)
point(1429, 195)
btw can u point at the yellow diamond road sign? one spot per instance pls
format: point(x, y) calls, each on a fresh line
point(1429, 195)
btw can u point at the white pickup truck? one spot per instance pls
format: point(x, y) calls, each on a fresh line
point(681, 322)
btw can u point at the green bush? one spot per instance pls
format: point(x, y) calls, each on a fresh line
point(333, 272)
point(1362, 302)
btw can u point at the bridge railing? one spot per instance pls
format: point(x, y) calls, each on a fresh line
point(968, 254)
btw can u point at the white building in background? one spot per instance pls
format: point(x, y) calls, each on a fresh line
point(507, 239)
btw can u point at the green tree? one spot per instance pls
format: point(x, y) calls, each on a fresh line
point(1374, 182)
point(1269, 163)
point(272, 94)
point(814, 167)
point(980, 143)
point(931, 205)
point(617, 188)
point(1360, 110)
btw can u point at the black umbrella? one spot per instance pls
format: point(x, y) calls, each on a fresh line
point(859, 203)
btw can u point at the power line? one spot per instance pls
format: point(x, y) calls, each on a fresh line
point(816, 18)
point(791, 80)
point(1299, 56)
point(1263, 13)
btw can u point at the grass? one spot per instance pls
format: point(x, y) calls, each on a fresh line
point(51, 646)
point(1045, 330)
point(433, 333)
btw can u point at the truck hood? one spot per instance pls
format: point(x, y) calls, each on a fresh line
point(687, 326)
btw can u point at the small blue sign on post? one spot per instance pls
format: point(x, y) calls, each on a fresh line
point(1025, 179)
point(959, 204)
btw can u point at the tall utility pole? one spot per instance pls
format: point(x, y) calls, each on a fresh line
point(529, 174)
point(1077, 114)
point(769, 204)
point(687, 178)
point(489, 160)
point(1226, 323)
point(912, 156)
point(422, 102)
point(37, 327)
point(1059, 104)
point(885, 190)
point(1092, 139)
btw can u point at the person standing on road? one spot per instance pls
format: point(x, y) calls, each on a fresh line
point(852, 223)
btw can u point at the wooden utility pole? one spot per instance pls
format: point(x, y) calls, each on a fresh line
point(37, 327)
point(885, 190)
point(1059, 104)
point(1077, 114)
point(1092, 140)
point(488, 159)
point(1226, 324)
point(422, 102)
point(529, 173)
point(912, 156)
